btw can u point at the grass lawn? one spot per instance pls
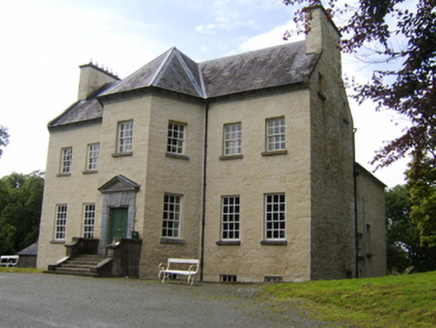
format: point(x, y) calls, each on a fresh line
point(391, 301)
point(20, 270)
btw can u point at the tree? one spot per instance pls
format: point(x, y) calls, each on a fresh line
point(402, 235)
point(423, 196)
point(4, 138)
point(410, 90)
point(20, 210)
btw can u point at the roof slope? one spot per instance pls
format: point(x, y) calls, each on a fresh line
point(258, 69)
point(29, 250)
point(174, 71)
point(82, 110)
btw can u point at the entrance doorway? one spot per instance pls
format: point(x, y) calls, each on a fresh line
point(118, 223)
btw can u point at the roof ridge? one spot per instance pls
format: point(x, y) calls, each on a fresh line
point(156, 78)
point(199, 88)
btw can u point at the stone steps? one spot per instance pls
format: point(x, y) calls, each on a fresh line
point(83, 265)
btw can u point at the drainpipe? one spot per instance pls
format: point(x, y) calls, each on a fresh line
point(203, 217)
point(356, 237)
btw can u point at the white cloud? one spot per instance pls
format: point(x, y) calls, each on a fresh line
point(205, 28)
point(269, 39)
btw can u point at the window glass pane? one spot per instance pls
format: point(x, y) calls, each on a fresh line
point(125, 136)
point(230, 217)
point(66, 160)
point(232, 139)
point(171, 216)
point(93, 153)
point(88, 220)
point(275, 215)
point(61, 222)
point(276, 134)
point(176, 138)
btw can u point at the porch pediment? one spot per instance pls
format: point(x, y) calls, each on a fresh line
point(119, 183)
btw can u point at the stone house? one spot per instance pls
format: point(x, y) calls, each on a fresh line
point(244, 162)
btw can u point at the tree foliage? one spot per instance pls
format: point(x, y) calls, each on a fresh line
point(20, 211)
point(4, 138)
point(423, 196)
point(402, 235)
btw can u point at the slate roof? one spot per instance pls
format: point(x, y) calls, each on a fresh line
point(174, 71)
point(30, 250)
point(258, 69)
point(82, 110)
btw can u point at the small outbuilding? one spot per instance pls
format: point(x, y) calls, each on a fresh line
point(28, 256)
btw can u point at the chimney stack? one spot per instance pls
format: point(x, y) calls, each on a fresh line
point(323, 32)
point(93, 78)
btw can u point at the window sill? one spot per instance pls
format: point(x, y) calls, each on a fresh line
point(172, 241)
point(274, 152)
point(90, 172)
point(129, 153)
point(228, 242)
point(57, 242)
point(230, 157)
point(63, 174)
point(177, 156)
point(274, 242)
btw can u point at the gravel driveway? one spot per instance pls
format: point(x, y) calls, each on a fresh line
point(43, 300)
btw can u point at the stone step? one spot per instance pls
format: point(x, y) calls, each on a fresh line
point(79, 265)
point(73, 269)
point(82, 262)
point(87, 258)
point(74, 273)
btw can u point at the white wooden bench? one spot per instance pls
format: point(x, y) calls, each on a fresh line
point(9, 260)
point(185, 267)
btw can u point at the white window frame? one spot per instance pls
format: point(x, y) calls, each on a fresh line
point(66, 160)
point(92, 157)
point(88, 221)
point(60, 221)
point(125, 137)
point(230, 217)
point(232, 139)
point(171, 217)
point(275, 216)
point(176, 138)
point(276, 134)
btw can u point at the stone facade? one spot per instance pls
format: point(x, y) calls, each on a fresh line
point(289, 177)
point(371, 230)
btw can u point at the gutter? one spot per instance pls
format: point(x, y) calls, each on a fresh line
point(203, 217)
point(356, 237)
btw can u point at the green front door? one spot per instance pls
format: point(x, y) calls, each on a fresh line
point(118, 223)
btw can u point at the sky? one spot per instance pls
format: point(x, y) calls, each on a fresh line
point(43, 43)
